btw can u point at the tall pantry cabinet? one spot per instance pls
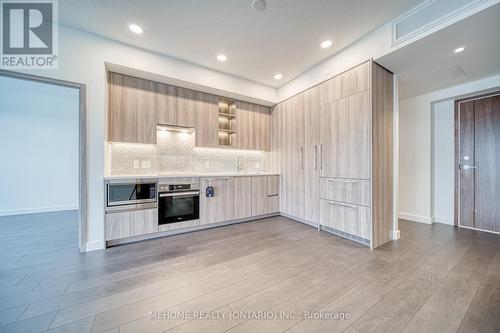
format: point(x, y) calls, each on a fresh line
point(333, 145)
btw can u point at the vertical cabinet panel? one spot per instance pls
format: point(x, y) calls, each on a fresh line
point(185, 113)
point(360, 135)
point(356, 79)
point(244, 125)
point(242, 197)
point(129, 224)
point(146, 112)
point(166, 104)
point(206, 120)
point(263, 202)
point(335, 139)
point(312, 122)
point(330, 90)
point(220, 207)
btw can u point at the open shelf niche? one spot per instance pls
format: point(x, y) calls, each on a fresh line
point(227, 122)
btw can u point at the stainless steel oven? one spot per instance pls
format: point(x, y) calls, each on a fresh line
point(130, 195)
point(178, 202)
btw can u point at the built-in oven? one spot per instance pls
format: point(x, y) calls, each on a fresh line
point(178, 202)
point(130, 195)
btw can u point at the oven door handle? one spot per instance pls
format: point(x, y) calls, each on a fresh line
point(179, 194)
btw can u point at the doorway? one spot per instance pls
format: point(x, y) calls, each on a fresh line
point(477, 163)
point(44, 181)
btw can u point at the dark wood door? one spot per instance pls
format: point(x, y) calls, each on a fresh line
point(479, 163)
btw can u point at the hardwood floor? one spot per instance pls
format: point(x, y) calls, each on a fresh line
point(435, 279)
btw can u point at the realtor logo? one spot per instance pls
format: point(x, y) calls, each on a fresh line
point(29, 34)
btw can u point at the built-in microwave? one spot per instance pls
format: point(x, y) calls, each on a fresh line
point(178, 202)
point(135, 194)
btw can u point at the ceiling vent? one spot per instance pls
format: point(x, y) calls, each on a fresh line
point(426, 16)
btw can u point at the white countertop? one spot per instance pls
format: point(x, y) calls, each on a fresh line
point(192, 174)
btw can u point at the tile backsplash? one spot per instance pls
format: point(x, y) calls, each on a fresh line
point(175, 152)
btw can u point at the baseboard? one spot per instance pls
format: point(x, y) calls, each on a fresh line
point(37, 210)
point(396, 235)
point(443, 219)
point(415, 218)
point(312, 224)
point(94, 246)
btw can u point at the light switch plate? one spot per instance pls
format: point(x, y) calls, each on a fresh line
point(146, 164)
point(136, 164)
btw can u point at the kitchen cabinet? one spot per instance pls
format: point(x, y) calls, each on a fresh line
point(341, 176)
point(206, 120)
point(131, 109)
point(265, 200)
point(185, 107)
point(291, 113)
point(220, 207)
point(131, 223)
point(242, 197)
point(312, 151)
point(166, 104)
point(252, 126)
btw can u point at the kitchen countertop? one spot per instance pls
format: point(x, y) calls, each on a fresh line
point(192, 174)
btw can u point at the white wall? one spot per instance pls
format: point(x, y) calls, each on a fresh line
point(443, 160)
point(39, 147)
point(415, 190)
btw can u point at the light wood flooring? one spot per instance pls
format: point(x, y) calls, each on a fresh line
point(434, 279)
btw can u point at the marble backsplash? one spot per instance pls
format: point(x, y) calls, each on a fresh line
point(175, 152)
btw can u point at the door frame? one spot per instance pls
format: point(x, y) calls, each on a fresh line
point(457, 103)
point(82, 142)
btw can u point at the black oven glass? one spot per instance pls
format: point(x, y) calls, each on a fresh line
point(178, 208)
point(118, 193)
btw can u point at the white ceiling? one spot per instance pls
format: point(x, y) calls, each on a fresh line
point(285, 38)
point(430, 63)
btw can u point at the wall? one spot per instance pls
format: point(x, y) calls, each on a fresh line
point(39, 147)
point(175, 152)
point(83, 58)
point(415, 190)
point(443, 160)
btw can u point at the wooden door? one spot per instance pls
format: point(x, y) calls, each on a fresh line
point(242, 197)
point(478, 160)
point(360, 135)
point(206, 120)
point(244, 125)
point(312, 121)
point(220, 207)
point(166, 104)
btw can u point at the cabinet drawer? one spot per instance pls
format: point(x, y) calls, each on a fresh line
point(129, 224)
point(353, 191)
point(351, 219)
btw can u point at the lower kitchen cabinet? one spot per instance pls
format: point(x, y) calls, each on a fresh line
point(265, 198)
point(353, 220)
point(220, 207)
point(132, 223)
point(242, 197)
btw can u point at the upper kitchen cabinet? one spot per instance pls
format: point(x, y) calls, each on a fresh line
point(166, 104)
point(252, 126)
point(356, 80)
point(185, 107)
point(132, 109)
point(206, 120)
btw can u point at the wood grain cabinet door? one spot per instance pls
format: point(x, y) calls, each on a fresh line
point(166, 104)
point(356, 80)
point(334, 132)
point(220, 207)
point(360, 135)
point(242, 197)
point(132, 109)
point(185, 112)
point(206, 120)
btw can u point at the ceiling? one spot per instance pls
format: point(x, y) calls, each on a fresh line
point(430, 63)
point(285, 38)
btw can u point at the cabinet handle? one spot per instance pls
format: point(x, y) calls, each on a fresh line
point(302, 158)
point(320, 157)
point(341, 180)
point(342, 204)
point(315, 157)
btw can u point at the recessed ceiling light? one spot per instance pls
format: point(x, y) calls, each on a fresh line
point(278, 76)
point(221, 57)
point(460, 49)
point(259, 5)
point(326, 44)
point(135, 28)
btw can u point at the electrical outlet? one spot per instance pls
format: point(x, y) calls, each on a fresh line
point(136, 164)
point(146, 164)
point(207, 165)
